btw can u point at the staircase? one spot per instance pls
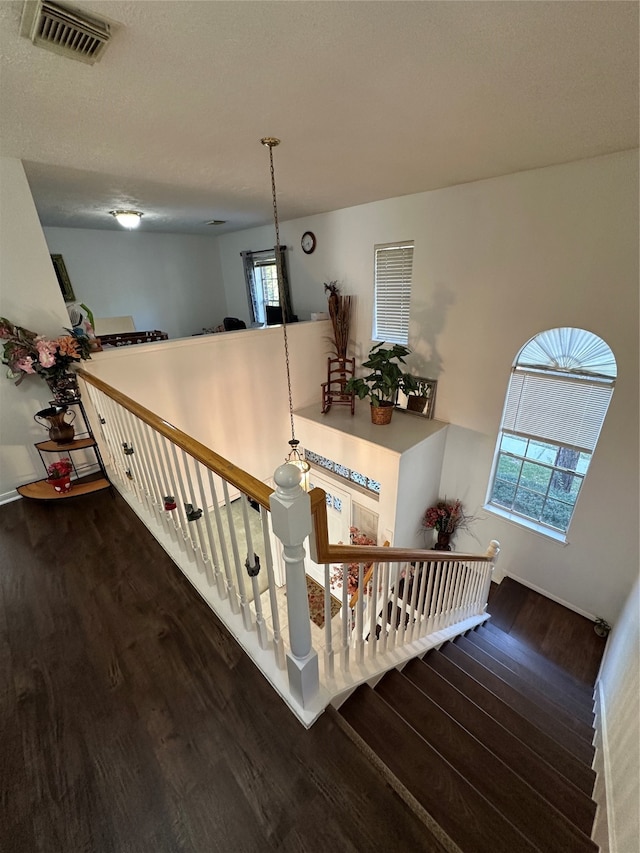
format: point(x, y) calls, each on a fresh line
point(489, 741)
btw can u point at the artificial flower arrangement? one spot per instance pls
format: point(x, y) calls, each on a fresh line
point(445, 517)
point(60, 469)
point(355, 538)
point(26, 352)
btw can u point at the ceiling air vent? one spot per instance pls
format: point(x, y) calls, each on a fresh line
point(67, 31)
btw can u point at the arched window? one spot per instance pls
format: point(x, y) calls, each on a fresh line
point(558, 396)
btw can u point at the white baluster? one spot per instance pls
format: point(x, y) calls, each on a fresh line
point(120, 460)
point(438, 584)
point(131, 452)
point(181, 499)
point(359, 616)
point(328, 628)
point(209, 557)
point(168, 487)
point(404, 608)
point(261, 627)
point(245, 609)
point(393, 618)
point(291, 521)
point(415, 575)
point(143, 466)
point(198, 546)
point(346, 619)
point(154, 475)
point(424, 597)
point(373, 612)
point(384, 598)
point(230, 589)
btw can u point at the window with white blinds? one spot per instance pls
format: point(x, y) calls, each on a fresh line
point(559, 409)
point(393, 271)
point(556, 403)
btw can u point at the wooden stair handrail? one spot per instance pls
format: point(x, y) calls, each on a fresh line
point(321, 550)
point(251, 486)
point(365, 580)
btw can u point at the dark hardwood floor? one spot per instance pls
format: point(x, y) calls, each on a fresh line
point(130, 721)
point(562, 636)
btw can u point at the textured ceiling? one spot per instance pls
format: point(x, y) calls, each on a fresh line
point(371, 100)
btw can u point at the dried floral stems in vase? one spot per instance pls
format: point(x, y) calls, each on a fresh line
point(340, 316)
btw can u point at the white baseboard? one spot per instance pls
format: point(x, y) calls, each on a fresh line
point(7, 497)
point(550, 595)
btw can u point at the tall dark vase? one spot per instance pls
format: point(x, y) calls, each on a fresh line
point(64, 388)
point(443, 541)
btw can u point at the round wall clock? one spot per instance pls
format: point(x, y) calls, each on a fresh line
point(308, 242)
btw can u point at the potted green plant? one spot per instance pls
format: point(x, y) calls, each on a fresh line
point(381, 384)
point(601, 627)
point(417, 391)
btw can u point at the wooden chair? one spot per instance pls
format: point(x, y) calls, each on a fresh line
point(339, 371)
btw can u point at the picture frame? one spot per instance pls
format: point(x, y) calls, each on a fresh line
point(422, 401)
point(63, 278)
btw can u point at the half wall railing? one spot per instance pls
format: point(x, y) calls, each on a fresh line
point(241, 544)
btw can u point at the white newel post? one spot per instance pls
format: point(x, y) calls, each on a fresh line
point(291, 523)
point(493, 552)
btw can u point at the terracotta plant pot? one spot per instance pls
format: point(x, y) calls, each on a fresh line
point(382, 414)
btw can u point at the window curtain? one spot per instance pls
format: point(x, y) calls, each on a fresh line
point(249, 277)
point(249, 260)
point(283, 278)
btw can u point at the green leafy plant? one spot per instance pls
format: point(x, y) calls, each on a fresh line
point(414, 386)
point(385, 377)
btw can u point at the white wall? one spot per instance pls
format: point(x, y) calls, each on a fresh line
point(418, 483)
point(29, 297)
point(495, 263)
point(169, 282)
point(619, 703)
point(227, 390)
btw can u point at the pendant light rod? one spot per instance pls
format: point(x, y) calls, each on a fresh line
point(271, 142)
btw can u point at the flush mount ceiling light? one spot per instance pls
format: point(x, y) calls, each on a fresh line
point(127, 218)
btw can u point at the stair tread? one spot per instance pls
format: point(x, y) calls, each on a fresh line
point(462, 812)
point(512, 796)
point(530, 702)
point(556, 692)
point(552, 785)
point(520, 650)
point(538, 740)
